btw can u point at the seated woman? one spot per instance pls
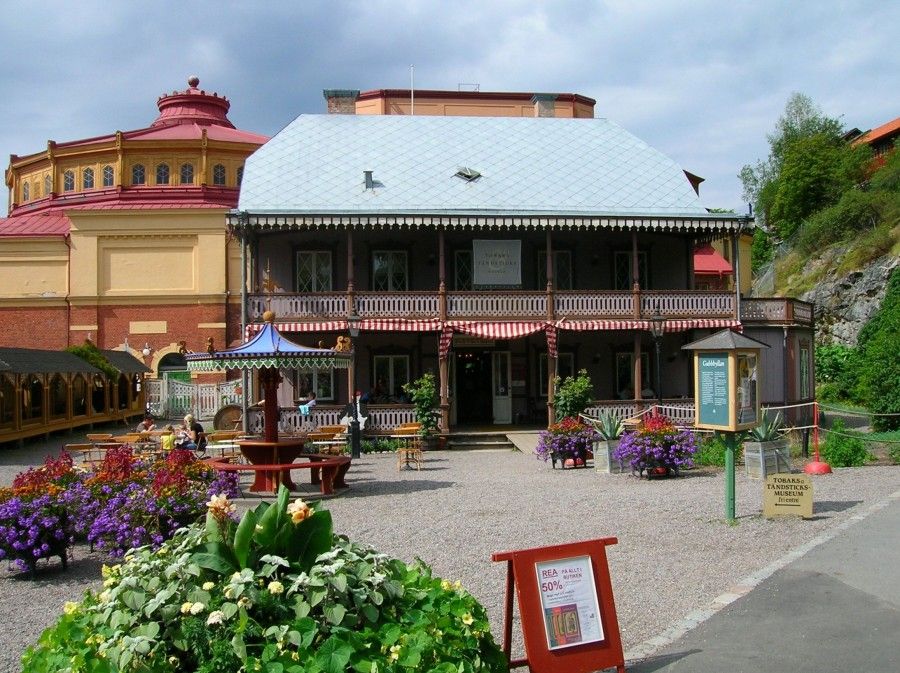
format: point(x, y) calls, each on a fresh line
point(306, 404)
point(192, 436)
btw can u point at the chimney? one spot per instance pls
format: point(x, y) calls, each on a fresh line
point(544, 104)
point(341, 101)
point(370, 183)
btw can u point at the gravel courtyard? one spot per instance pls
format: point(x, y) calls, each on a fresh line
point(675, 553)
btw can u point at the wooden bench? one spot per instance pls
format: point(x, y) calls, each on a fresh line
point(328, 472)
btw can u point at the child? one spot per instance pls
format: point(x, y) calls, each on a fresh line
point(167, 442)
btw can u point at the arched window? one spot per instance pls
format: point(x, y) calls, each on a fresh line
point(7, 401)
point(187, 174)
point(240, 175)
point(87, 178)
point(32, 399)
point(69, 181)
point(219, 175)
point(48, 185)
point(26, 191)
point(162, 174)
point(79, 396)
point(108, 176)
point(59, 394)
point(36, 190)
point(138, 175)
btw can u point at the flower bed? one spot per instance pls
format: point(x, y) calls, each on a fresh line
point(567, 440)
point(657, 445)
point(276, 592)
point(125, 502)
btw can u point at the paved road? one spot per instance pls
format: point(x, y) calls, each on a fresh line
point(835, 609)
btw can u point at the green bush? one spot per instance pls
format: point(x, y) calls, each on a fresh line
point(761, 250)
point(856, 212)
point(894, 453)
point(275, 593)
point(424, 394)
point(573, 395)
point(879, 369)
point(843, 448)
point(712, 451)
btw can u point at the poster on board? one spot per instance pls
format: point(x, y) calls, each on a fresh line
point(569, 602)
point(496, 262)
point(713, 393)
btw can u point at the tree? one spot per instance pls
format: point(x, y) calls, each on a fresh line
point(880, 367)
point(809, 167)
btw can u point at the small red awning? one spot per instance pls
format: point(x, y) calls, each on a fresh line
point(708, 262)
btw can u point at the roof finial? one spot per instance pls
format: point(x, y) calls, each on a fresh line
point(193, 81)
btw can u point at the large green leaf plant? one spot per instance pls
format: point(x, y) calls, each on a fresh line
point(277, 592)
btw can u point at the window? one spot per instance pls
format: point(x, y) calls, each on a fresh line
point(219, 175)
point(187, 174)
point(36, 190)
point(108, 176)
point(138, 175)
point(32, 399)
point(69, 181)
point(59, 390)
point(26, 191)
point(313, 271)
point(79, 396)
point(622, 267)
point(321, 381)
point(48, 185)
point(7, 401)
point(162, 174)
point(562, 270)
point(804, 372)
point(240, 175)
point(87, 178)
point(625, 375)
point(389, 272)
point(565, 367)
point(391, 373)
point(463, 270)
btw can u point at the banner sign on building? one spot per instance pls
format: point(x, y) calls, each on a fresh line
point(496, 262)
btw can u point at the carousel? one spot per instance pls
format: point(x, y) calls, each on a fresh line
point(268, 352)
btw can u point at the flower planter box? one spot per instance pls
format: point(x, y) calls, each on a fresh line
point(764, 458)
point(603, 458)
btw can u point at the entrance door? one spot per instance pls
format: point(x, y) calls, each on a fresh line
point(473, 387)
point(500, 385)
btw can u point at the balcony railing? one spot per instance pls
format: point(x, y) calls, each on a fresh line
point(502, 304)
point(777, 310)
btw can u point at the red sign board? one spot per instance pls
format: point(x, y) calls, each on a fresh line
point(566, 605)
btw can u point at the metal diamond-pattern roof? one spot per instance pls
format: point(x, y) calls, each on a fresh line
point(527, 165)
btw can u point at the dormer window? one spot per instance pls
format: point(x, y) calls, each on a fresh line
point(468, 174)
point(69, 181)
point(87, 178)
point(36, 190)
point(48, 185)
point(108, 176)
point(187, 174)
point(138, 175)
point(162, 174)
point(219, 175)
point(240, 175)
point(26, 193)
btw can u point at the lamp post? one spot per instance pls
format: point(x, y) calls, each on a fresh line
point(353, 326)
point(657, 326)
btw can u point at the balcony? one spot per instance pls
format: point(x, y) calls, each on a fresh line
point(498, 304)
point(779, 311)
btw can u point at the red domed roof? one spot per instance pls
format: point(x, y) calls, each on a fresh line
point(193, 106)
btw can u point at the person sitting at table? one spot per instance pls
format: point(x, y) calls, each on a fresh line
point(192, 436)
point(306, 404)
point(167, 441)
point(362, 412)
point(147, 424)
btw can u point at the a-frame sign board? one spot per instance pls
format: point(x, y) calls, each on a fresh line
point(566, 605)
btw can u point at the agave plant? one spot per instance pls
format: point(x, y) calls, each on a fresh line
point(609, 426)
point(769, 428)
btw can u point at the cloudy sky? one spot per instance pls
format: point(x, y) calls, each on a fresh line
point(703, 81)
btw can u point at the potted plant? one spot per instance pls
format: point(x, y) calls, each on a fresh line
point(657, 448)
point(423, 393)
point(568, 442)
point(609, 429)
point(767, 448)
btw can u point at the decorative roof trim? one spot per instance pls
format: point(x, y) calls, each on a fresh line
point(286, 221)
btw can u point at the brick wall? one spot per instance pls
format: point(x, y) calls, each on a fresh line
point(33, 327)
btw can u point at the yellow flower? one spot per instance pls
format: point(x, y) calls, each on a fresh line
point(295, 656)
point(104, 597)
point(244, 602)
point(395, 652)
point(457, 585)
point(220, 507)
point(445, 585)
point(109, 582)
point(186, 607)
point(467, 619)
point(105, 571)
point(229, 593)
point(208, 585)
point(276, 588)
point(299, 511)
point(173, 661)
point(70, 608)
point(197, 608)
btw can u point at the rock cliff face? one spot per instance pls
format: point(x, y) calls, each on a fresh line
point(844, 304)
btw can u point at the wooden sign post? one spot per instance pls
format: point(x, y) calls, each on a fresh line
point(566, 606)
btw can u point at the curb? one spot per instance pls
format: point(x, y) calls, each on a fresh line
point(696, 617)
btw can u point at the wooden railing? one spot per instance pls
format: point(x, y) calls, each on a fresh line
point(298, 306)
point(690, 303)
point(497, 304)
point(570, 304)
point(396, 304)
point(776, 310)
point(381, 419)
point(680, 411)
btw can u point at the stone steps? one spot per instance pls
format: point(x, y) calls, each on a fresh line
point(496, 441)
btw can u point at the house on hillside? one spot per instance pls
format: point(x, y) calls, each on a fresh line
point(498, 252)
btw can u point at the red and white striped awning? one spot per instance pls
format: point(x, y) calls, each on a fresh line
point(399, 325)
point(497, 330)
point(701, 323)
point(670, 325)
point(329, 326)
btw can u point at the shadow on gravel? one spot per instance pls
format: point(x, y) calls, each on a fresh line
point(834, 505)
point(659, 662)
point(361, 490)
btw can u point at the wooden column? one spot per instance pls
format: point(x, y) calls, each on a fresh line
point(443, 362)
point(736, 273)
point(351, 310)
point(638, 383)
point(444, 374)
point(635, 277)
point(551, 389)
point(691, 284)
point(551, 317)
point(442, 277)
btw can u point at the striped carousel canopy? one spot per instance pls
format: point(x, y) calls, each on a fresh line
point(269, 349)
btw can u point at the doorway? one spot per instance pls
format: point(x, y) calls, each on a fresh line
point(474, 403)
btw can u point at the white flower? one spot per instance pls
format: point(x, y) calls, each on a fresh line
point(467, 619)
point(197, 608)
point(276, 588)
point(186, 607)
point(219, 506)
point(299, 511)
point(215, 617)
point(207, 586)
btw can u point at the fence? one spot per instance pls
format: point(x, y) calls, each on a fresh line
point(381, 419)
point(170, 398)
